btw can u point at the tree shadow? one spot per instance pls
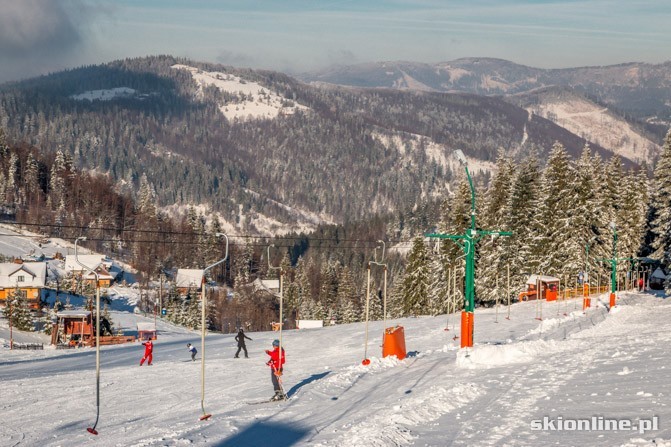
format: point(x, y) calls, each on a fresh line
point(263, 434)
point(304, 382)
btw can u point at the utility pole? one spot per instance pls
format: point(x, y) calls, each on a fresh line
point(467, 241)
point(613, 265)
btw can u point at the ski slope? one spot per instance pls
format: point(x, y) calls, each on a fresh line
point(568, 365)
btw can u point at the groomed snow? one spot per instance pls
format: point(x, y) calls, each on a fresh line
point(570, 365)
point(105, 94)
point(259, 102)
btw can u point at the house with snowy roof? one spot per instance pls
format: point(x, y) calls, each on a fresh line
point(29, 278)
point(83, 265)
point(188, 280)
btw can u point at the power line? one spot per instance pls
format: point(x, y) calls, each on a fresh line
point(182, 233)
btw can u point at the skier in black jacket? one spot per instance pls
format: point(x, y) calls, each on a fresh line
point(240, 338)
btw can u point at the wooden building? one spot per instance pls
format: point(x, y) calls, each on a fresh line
point(548, 285)
point(29, 278)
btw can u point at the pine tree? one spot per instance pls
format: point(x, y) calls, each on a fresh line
point(416, 281)
point(492, 254)
point(17, 310)
point(522, 218)
point(585, 220)
point(438, 289)
point(661, 201)
point(558, 247)
point(347, 297)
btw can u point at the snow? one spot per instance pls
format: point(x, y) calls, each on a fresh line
point(598, 124)
point(259, 102)
point(438, 153)
point(105, 94)
point(569, 365)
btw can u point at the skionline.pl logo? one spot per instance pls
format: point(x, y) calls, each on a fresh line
point(595, 423)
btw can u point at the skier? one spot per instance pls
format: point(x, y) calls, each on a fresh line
point(193, 351)
point(240, 338)
point(148, 350)
point(276, 363)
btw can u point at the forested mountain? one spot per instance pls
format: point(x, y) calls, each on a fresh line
point(267, 152)
point(639, 89)
point(640, 94)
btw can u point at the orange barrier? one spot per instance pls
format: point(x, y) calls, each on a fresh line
point(394, 342)
point(612, 300)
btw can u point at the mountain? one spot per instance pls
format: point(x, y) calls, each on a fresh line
point(267, 152)
point(639, 91)
point(596, 122)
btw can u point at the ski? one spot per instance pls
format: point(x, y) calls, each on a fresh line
point(267, 401)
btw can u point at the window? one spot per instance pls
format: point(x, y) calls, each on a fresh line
point(20, 278)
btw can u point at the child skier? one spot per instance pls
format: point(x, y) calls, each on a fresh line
point(240, 338)
point(276, 363)
point(148, 353)
point(193, 351)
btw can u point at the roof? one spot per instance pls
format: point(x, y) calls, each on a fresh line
point(658, 273)
point(272, 284)
point(144, 326)
point(102, 274)
point(74, 314)
point(189, 278)
point(534, 278)
point(34, 274)
point(90, 261)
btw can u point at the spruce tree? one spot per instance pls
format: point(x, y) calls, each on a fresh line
point(661, 201)
point(522, 218)
point(416, 281)
point(492, 253)
point(17, 310)
point(557, 246)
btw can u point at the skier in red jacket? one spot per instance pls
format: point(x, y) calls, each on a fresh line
point(148, 350)
point(276, 363)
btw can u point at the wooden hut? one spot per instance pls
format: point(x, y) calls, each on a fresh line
point(548, 285)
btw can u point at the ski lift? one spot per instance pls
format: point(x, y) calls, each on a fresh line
point(203, 306)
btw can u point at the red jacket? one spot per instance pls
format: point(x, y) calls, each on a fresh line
point(275, 357)
point(148, 347)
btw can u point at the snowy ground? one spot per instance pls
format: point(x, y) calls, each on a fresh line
point(575, 366)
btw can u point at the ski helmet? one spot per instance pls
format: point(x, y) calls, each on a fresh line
point(276, 342)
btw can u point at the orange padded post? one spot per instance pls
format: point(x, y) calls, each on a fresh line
point(612, 300)
point(394, 342)
point(467, 324)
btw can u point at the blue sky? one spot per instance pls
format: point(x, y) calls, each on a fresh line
point(38, 36)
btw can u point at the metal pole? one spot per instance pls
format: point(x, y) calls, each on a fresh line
point(11, 317)
point(496, 319)
point(508, 290)
point(385, 296)
point(365, 349)
point(92, 430)
point(203, 309)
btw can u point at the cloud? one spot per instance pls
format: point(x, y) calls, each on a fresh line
point(37, 36)
point(227, 57)
point(35, 25)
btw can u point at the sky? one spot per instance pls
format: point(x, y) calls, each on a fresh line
point(42, 36)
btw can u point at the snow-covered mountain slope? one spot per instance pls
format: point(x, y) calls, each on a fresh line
point(591, 121)
point(568, 366)
point(255, 101)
